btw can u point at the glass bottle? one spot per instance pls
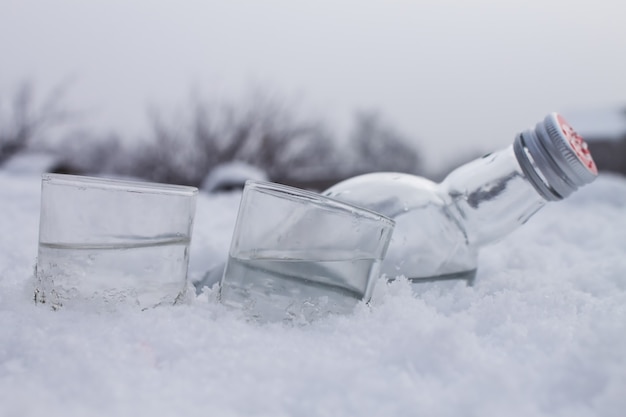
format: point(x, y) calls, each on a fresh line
point(440, 227)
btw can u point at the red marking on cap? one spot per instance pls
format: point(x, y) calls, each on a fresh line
point(578, 144)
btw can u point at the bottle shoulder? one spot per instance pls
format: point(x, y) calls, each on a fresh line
point(428, 239)
point(388, 193)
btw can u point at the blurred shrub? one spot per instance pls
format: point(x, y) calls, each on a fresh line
point(24, 122)
point(379, 147)
point(269, 135)
point(183, 149)
point(263, 134)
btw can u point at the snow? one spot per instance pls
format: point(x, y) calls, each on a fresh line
point(231, 175)
point(542, 333)
point(30, 163)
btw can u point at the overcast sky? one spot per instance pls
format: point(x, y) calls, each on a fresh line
point(453, 74)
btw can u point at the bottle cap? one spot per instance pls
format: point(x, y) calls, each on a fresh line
point(554, 158)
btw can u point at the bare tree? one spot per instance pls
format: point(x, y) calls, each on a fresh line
point(83, 152)
point(375, 146)
point(281, 143)
point(26, 122)
point(262, 133)
point(267, 133)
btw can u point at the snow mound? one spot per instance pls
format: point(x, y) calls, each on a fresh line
point(542, 333)
point(231, 176)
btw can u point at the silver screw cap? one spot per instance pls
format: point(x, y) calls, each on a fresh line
point(555, 158)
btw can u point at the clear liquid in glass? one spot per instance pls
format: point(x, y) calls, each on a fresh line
point(285, 287)
point(140, 274)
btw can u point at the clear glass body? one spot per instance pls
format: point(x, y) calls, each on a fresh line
point(104, 243)
point(296, 256)
point(440, 227)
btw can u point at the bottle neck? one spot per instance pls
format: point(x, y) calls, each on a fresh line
point(491, 196)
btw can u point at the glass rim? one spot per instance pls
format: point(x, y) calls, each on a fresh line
point(119, 184)
point(321, 199)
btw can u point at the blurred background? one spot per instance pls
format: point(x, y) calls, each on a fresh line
point(301, 92)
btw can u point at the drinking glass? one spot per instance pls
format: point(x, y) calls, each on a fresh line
point(296, 255)
point(108, 242)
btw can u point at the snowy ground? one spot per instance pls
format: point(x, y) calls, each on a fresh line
point(542, 333)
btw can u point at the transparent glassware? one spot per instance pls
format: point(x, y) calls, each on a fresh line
point(441, 227)
point(104, 243)
point(297, 256)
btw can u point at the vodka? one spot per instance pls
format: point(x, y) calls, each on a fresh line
point(272, 286)
point(138, 274)
point(440, 227)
